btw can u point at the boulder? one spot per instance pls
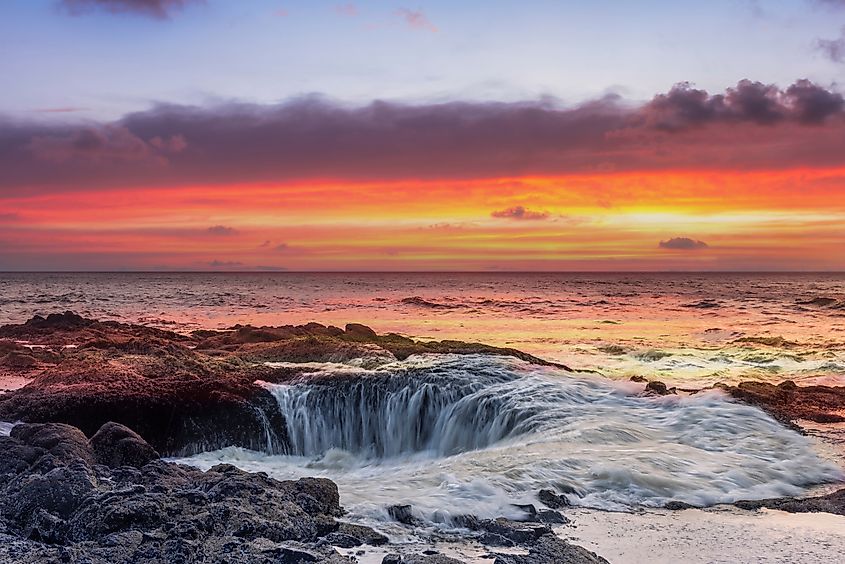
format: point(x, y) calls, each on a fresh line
point(117, 445)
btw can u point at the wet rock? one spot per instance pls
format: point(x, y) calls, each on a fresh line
point(830, 503)
point(402, 513)
point(517, 532)
point(179, 401)
point(658, 388)
point(117, 445)
point(678, 506)
point(639, 379)
point(550, 549)
point(552, 499)
point(790, 402)
point(363, 534)
point(52, 491)
point(391, 559)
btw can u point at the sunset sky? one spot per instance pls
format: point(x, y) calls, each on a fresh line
point(432, 135)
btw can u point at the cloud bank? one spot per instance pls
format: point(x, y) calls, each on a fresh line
point(751, 126)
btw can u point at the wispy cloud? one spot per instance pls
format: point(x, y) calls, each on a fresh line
point(520, 213)
point(833, 49)
point(157, 9)
point(415, 19)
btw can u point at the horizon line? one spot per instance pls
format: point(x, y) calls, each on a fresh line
point(3, 272)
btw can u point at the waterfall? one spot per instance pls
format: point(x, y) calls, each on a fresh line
point(385, 414)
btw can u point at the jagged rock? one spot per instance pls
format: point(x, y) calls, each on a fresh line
point(117, 445)
point(678, 506)
point(402, 513)
point(658, 388)
point(552, 499)
point(363, 534)
point(53, 491)
point(830, 503)
point(549, 549)
point(789, 402)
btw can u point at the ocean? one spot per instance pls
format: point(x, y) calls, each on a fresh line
point(685, 329)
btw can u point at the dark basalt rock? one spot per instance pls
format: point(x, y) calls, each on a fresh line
point(117, 445)
point(552, 499)
point(550, 549)
point(179, 401)
point(58, 505)
point(831, 503)
point(658, 389)
point(789, 402)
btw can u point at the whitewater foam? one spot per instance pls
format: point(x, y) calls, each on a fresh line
point(473, 434)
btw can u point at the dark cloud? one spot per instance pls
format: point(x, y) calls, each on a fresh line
point(159, 9)
point(521, 213)
point(749, 126)
point(281, 247)
point(103, 143)
point(749, 102)
point(683, 244)
point(222, 230)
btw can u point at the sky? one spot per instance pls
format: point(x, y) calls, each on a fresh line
point(433, 135)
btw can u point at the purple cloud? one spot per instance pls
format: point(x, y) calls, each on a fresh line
point(683, 244)
point(751, 126)
point(222, 231)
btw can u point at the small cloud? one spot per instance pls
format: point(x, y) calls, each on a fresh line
point(224, 264)
point(157, 9)
point(833, 49)
point(416, 19)
point(350, 10)
point(269, 268)
point(281, 13)
point(222, 230)
point(683, 244)
point(281, 247)
point(264, 244)
point(520, 213)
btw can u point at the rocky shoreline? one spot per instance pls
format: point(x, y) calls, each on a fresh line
point(82, 479)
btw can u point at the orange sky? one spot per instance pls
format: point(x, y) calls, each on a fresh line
point(760, 220)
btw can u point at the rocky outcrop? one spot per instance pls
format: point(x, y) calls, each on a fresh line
point(178, 400)
point(550, 549)
point(183, 393)
point(790, 402)
point(831, 503)
point(58, 504)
